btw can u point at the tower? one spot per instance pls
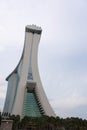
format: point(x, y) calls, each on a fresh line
point(25, 94)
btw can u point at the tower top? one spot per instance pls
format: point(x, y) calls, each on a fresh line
point(33, 28)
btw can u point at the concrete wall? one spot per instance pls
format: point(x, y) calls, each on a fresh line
point(6, 125)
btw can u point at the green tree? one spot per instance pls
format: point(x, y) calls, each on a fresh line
point(16, 122)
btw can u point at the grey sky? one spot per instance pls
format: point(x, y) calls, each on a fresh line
point(62, 56)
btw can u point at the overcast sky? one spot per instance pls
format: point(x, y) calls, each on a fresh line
point(62, 56)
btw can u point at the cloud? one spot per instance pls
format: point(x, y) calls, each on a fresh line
point(2, 97)
point(69, 102)
point(71, 106)
point(3, 88)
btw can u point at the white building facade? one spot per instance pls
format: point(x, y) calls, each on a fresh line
point(25, 94)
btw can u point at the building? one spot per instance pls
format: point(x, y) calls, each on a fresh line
point(25, 94)
point(6, 125)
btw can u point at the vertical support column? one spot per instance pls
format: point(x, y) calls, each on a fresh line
point(18, 105)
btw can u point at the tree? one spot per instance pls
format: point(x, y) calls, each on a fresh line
point(16, 122)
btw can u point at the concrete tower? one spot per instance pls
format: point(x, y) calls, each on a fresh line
point(25, 94)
